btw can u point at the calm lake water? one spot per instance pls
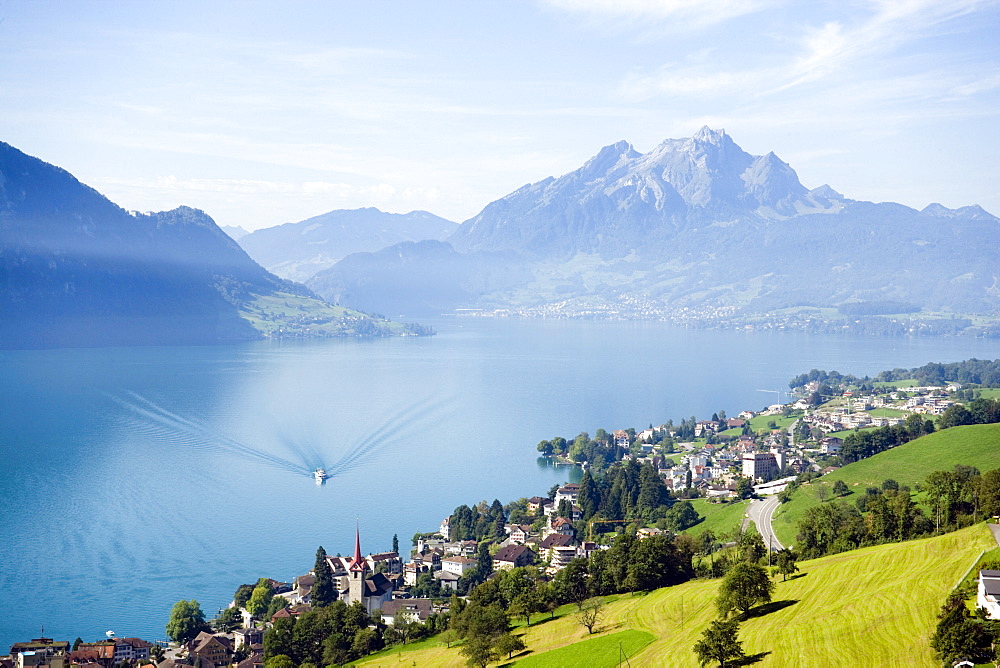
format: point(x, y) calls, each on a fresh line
point(132, 478)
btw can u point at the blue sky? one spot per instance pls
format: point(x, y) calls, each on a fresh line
point(262, 113)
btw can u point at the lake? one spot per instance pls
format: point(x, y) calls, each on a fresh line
point(131, 478)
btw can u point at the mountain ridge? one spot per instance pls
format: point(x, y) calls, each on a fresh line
point(78, 270)
point(697, 224)
point(296, 251)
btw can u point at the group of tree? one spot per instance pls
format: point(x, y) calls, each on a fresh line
point(331, 635)
point(865, 443)
point(978, 411)
point(627, 490)
point(888, 513)
point(479, 522)
point(961, 635)
point(599, 452)
point(972, 371)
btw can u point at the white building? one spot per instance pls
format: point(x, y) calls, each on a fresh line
point(989, 593)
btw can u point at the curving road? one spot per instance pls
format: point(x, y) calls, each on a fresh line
point(761, 511)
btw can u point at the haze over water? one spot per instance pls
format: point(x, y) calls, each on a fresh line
point(132, 478)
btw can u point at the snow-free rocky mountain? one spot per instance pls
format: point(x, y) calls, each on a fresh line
point(694, 223)
point(297, 251)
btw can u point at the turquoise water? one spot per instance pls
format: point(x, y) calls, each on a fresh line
point(131, 478)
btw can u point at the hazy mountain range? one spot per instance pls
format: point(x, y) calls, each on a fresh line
point(696, 224)
point(78, 270)
point(297, 251)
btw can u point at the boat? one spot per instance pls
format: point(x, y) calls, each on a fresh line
point(320, 475)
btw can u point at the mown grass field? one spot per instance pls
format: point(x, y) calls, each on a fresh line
point(719, 517)
point(760, 422)
point(907, 464)
point(871, 607)
point(907, 382)
point(887, 412)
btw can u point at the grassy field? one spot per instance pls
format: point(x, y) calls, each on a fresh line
point(760, 422)
point(298, 315)
point(908, 382)
point(887, 412)
point(870, 607)
point(600, 652)
point(719, 517)
point(907, 464)
point(990, 393)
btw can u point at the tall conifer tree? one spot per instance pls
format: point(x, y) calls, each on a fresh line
point(323, 591)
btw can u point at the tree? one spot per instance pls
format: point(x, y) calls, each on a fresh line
point(508, 644)
point(280, 638)
point(228, 620)
point(323, 591)
point(479, 651)
point(959, 636)
point(186, 621)
point(395, 543)
point(242, 595)
point(280, 661)
point(79, 641)
point(785, 563)
point(744, 586)
point(744, 488)
point(260, 599)
point(448, 637)
point(590, 614)
point(719, 642)
point(840, 488)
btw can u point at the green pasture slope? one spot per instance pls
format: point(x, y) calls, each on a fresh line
point(871, 607)
point(907, 464)
point(719, 517)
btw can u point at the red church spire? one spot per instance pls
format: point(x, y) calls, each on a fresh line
point(359, 563)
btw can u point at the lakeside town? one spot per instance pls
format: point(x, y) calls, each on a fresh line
point(720, 459)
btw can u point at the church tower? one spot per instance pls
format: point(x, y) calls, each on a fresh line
point(357, 572)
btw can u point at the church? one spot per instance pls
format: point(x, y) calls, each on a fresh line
point(360, 584)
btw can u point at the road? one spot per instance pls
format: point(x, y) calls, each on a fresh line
point(760, 512)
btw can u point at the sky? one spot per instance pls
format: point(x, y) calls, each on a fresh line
point(262, 113)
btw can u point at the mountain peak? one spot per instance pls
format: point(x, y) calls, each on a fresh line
point(708, 135)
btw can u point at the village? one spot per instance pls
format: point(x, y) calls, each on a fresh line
point(719, 459)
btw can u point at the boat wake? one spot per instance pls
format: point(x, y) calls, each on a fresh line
point(161, 423)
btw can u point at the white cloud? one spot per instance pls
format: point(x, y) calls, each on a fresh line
point(696, 12)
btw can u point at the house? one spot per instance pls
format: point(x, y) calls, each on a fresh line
point(535, 504)
point(40, 652)
point(447, 579)
point(519, 533)
point(415, 609)
point(131, 649)
point(830, 445)
point(561, 525)
point(568, 492)
point(558, 550)
point(255, 660)
point(247, 638)
point(445, 528)
point(513, 556)
point(458, 565)
point(621, 438)
point(735, 423)
point(100, 653)
point(988, 595)
point(385, 562)
point(216, 650)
